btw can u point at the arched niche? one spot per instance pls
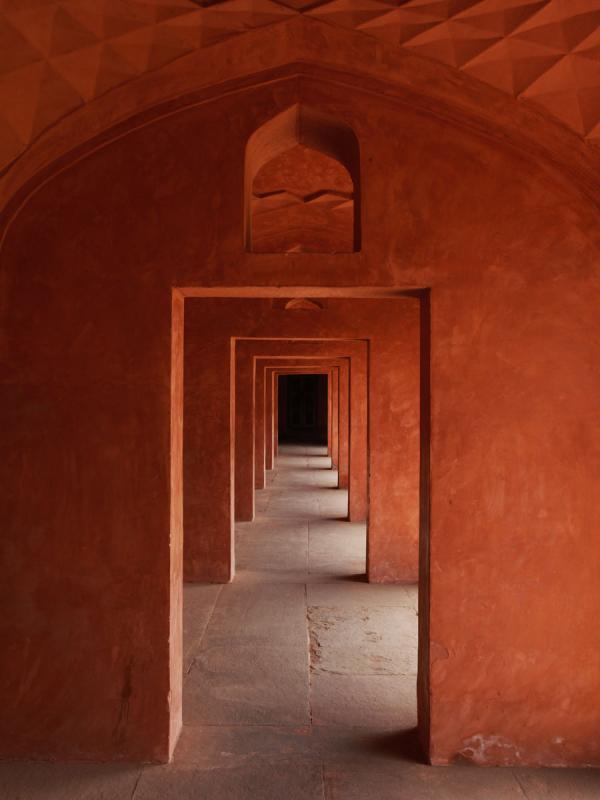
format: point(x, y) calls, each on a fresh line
point(302, 184)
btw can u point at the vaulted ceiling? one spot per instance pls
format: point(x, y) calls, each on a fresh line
point(58, 55)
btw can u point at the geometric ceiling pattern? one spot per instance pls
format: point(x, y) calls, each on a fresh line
point(57, 55)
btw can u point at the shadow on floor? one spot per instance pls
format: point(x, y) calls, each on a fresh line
point(358, 578)
point(396, 745)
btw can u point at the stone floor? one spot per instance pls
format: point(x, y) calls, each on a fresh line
point(299, 678)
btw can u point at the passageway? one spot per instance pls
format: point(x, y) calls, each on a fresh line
point(299, 658)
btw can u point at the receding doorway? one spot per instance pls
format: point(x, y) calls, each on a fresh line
point(300, 630)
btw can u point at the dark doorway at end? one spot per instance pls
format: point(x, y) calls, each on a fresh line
point(303, 409)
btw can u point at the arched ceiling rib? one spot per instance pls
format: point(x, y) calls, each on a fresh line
point(58, 55)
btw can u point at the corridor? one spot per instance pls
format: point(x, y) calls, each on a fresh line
point(299, 678)
point(299, 663)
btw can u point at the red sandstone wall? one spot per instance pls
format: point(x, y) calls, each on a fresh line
point(508, 243)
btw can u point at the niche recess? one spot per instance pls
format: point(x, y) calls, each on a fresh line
point(302, 185)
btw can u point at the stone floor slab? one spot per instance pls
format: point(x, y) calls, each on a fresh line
point(199, 602)
point(255, 780)
point(247, 685)
point(559, 784)
point(21, 780)
point(365, 640)
point(417, 782)
point(358, 593)
point(261, 615)
point(363, 700)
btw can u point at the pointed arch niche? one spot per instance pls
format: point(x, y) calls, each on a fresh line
point(302, 185)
